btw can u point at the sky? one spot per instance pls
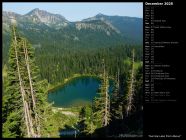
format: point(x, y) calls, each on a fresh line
point(78, 11)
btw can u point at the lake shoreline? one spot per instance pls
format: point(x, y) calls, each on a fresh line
point(54, 87)
point(76, 100)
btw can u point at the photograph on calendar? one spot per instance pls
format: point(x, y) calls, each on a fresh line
point(72, 70)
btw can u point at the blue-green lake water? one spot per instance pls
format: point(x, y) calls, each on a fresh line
point(79, 91)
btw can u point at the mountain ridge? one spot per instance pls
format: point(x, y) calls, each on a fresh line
point(39, 10)
point(42, 27)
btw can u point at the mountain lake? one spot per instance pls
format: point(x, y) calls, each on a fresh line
point(77, 92)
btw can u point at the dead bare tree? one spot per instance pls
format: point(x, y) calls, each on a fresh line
point(107, 98)
point(32, 92)
point(30, 115)
point(130, 94)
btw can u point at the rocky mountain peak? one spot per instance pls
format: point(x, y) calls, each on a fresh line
point(99, 15)
point(37, 12)
point(45, 17)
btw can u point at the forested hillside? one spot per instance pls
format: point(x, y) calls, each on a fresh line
point(42, 50)
point(44, 29)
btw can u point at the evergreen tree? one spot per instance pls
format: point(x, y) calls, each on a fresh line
point(116, 100)
point(82, 118)
point(138, 98)
point(85, 124)
point(102, 102)
point(24, 99)
point(131, 88)
point(12, 105)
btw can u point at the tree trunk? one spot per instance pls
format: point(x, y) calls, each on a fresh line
point(37, 124)
point(20, 84)
point(131, 88)
point(25, 97)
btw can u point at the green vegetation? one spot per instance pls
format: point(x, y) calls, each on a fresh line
point(24, 102)
point(58, 121)
point(127, 30)
point(57, 63)
point(30, 73)
point(101, 106)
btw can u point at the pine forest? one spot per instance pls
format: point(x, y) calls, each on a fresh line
point(71, 79)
